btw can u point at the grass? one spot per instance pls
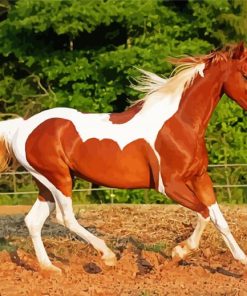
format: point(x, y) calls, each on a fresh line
point(144, 293)
point(6, 246)
point(157, 248)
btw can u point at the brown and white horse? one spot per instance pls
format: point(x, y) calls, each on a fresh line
point(157, 143)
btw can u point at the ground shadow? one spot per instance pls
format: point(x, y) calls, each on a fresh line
point(19, 262)
point(6, 245)
point(211, 269)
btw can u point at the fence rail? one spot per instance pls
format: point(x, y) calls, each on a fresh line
point(229, 180)
point(14, 174)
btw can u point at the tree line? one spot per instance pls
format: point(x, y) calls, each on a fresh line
point(84, 53)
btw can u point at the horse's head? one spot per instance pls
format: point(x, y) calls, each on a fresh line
point(235, 84)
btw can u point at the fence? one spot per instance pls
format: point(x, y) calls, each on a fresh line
point(226, 177)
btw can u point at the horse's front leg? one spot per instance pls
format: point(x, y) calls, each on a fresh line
point(204, 190)
point(191, 244)
point(179, 191)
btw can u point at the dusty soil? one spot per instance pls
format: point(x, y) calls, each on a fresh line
point(141, 236)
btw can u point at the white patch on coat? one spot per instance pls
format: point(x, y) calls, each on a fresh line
point(221, 224)
point(9, 127)
point(39, 213)
point(34, 221)
point(192, 243)
point(159, 106)
point(194, 240)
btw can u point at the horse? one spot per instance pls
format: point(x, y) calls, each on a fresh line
point(158, 142)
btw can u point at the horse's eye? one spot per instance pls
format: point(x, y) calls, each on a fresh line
point(245, 76)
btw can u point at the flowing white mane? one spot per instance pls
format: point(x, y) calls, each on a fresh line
point(156, 87)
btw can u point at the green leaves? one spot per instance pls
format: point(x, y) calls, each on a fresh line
point(220, 21)
point(83, 53)
point(226, 134)
point(226, 143)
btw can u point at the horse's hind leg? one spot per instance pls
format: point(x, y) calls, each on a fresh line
point(35, 220)
point(69, 220)
point(60, 185)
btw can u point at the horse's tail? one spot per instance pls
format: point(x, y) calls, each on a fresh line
point(7, 158)
point(8, 129)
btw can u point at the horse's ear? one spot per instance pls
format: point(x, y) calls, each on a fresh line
point(238, 51)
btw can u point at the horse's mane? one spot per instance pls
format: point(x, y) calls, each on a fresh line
point(152, 84)
point(187, 68)
point(228, 52)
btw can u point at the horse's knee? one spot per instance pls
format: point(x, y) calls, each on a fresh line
point(34, 228)
point(217, 217)
point(28, 222)
point(71, 224)
point(59, 218)
point(37, 216)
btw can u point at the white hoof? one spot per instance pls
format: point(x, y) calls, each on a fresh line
point(181, 251)
point(110, 259)
point(244, 261)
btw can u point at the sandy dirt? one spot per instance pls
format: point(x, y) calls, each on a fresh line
point(141, 236)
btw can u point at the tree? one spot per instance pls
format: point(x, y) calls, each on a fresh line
point(83, 53)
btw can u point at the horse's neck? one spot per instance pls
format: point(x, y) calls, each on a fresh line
point(8, 128)
point(199, 101)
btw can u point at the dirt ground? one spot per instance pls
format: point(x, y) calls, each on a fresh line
point(141, 236)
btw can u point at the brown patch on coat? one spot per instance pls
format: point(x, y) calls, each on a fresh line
point(44, 193)
point(184, 160)
point(55, 149)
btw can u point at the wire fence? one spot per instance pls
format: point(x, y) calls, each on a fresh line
point(227, 177)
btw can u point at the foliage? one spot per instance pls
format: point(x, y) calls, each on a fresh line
point(220, 21)
point(83, 53)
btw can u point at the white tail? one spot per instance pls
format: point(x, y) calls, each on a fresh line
point(8, 129)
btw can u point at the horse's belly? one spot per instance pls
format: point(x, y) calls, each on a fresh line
point(104, 163)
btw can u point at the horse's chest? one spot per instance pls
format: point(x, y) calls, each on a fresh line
point(181, 150)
